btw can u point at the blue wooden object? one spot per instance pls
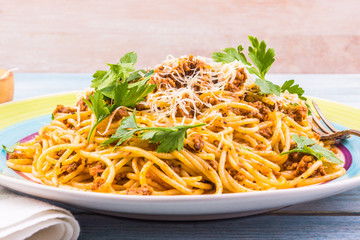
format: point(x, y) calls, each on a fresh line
point(337, 217)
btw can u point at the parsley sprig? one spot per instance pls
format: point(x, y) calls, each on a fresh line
point(308, 146)
point(121, 85)
point(168, 138)
point(262, 58)
point(107, 82)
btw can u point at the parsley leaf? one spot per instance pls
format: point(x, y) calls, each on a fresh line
point(329, 155)
point(308, 146)
point(261, 57)
point(267, 87)
point(168, 138)
point(99, 107)
point(294, 89)
point(122, 133)
point(302, 141)
point(11, 148)
point(52, 116)
point(230, 55)
point(105, 80)
point(128, 95)
point(135, 93)
point(136, 75)
point(130, 57)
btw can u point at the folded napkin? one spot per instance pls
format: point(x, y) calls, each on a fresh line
point(22, 217)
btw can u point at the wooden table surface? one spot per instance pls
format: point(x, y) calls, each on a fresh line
point(336, 217)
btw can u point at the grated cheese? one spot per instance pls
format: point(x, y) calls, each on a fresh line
point(212, 79)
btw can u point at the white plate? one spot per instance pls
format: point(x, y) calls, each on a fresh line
point(182, 207)
point(15, 125)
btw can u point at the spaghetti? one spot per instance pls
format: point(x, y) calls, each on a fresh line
point(238, 150)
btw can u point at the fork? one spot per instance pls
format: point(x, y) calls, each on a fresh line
point(329, 132)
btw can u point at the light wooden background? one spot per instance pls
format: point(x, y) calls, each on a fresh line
point(309, 36)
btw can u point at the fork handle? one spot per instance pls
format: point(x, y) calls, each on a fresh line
point(341, 134)
point(354, 132)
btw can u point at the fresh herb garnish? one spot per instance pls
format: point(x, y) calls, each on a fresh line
point(294, 89)
point(308, 146)
point(267, 87)
point(230, 55)
point(99, 107)
point(52, 116)
point(139, 74)
point(121, 85)
point(106, 81)
point(130, 95)
point(168, 138)
point(262, 59)
point(11, 148)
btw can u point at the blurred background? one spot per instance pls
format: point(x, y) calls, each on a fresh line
point(309, 36)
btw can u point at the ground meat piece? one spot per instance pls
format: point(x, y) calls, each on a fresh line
point(293, 160)
point(237, 175)
point(299, 162)
point(217, 144)
point(71, 167)
point(60, 153)
point(298, 113)
point(121, 113)
point(276, 173)
point(211, 100)
point(120, 176)
point(83, 106)
point(97, 183)
point(198, 142)
point(144, 190)
point(189, 111)
point(238, 82)
point(174, 166)
point(17, 155)
point(304, 164)
point(260, 147)
point(214, 164)
point(96, 169)
point(63, 109)
point(264, 110)
point(334, 150)
point(288, 165)
point(140, 107)
point(266, 132)
point(262, 115)
point(320, 171)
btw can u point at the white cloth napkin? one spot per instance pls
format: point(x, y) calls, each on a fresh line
point(26, 218)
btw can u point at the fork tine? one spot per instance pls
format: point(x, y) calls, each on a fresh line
point(319, 124)
point(316, 129)
point(327, 123)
